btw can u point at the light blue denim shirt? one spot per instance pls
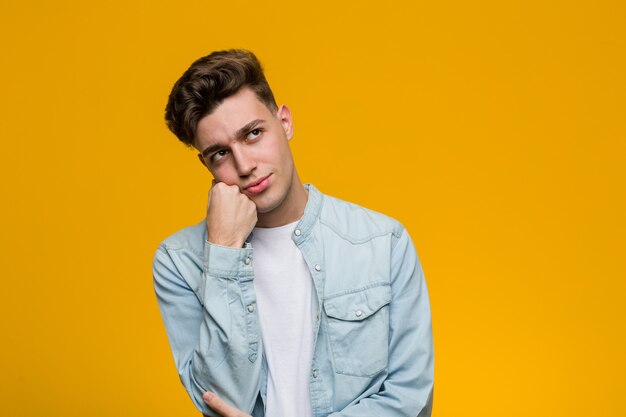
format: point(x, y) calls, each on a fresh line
point(373, 351)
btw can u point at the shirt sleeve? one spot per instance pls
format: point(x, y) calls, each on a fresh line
point(408, 389)
point(201, 300)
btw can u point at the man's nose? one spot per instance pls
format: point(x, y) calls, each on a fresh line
point(244, 162)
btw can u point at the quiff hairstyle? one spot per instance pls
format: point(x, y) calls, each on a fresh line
point(206, 84)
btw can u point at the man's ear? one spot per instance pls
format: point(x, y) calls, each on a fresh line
point(284, 116)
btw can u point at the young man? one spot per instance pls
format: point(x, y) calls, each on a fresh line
point(284, 302)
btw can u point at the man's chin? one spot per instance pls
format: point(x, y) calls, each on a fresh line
point(267, 203)
point(262, 208)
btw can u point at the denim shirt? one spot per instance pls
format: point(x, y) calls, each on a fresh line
point(373, 352)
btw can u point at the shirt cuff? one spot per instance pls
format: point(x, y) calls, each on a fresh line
point(228, 262)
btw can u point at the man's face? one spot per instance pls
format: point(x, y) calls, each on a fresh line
point(242, 143)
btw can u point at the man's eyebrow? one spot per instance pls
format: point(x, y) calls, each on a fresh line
point(242, 132)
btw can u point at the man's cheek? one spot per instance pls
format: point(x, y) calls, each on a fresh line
point(225, 178)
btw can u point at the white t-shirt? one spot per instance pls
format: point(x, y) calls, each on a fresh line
point(284, 286)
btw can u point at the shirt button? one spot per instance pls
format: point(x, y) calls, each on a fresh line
point(247, 261)
point(250, 308)
point(318, 268)
point(358, 313)
point(297, 232)
point(314, 373)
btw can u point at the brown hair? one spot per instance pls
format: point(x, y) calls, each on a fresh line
point(209, 81)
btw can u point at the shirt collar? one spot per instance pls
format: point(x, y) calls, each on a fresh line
point(311, 211)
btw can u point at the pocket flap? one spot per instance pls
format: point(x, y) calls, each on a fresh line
point(358, 305)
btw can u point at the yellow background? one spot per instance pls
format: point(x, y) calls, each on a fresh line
point(495, 131)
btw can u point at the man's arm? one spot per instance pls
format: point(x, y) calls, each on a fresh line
point(182, 315)
point(208, 355)
point(202, 302)
point(408, 389)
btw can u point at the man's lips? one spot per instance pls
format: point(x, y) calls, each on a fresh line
point(258, 186)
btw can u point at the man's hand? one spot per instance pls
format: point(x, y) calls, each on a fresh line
point(231, 215)
point(218, 405)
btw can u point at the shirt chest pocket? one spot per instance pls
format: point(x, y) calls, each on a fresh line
point(358, 330)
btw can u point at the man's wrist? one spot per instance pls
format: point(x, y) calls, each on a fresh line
point(229, 243)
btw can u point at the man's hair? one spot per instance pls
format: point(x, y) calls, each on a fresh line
point(206, 84)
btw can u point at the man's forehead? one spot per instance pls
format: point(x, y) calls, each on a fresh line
point(230, 116)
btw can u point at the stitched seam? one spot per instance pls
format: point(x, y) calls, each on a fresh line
point(353, 240)
point(222, 273)
point(170, 248)
point(352, 291)
point(394, 243)
point(212, 271)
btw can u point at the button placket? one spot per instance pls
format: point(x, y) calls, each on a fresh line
point(249, 309)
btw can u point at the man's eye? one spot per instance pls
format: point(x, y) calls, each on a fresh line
point(218, 155)
point(254, 133)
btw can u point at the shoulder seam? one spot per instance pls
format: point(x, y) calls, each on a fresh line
point(398, 236)
point(168, 248)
